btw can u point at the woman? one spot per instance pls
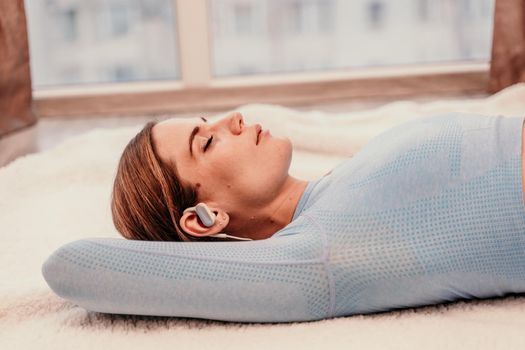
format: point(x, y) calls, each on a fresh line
point(239, 171)
point(431, 210)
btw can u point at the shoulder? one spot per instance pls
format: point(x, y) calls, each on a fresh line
point(300, 226)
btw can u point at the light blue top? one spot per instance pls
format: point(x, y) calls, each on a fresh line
point(429, 211)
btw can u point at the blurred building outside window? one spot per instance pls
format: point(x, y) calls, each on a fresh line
point(106, 41)
point(101, 41)
point(310, 35)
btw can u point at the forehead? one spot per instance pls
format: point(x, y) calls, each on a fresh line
point(171, 138)
point(173, 124)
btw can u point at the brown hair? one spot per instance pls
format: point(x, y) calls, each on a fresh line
point(148, 197)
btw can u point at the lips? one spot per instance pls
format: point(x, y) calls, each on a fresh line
point(258, 130)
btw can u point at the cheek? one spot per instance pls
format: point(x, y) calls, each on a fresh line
point(223, 165)
point(272, 157)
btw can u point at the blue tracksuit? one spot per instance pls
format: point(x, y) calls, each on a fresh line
point(428, 211)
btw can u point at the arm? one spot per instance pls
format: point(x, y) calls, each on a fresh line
point(279, 279)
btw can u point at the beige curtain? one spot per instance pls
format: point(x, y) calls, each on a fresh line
point(15, 78)
point(507, 65)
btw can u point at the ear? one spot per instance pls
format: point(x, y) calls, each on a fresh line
point(192, 224)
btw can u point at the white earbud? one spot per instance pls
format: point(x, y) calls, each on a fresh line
point(205, 214)
point(208, 219)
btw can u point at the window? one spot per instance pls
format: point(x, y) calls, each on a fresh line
point(67, 20)
point(335, 45)
point(422, 8)
point(101, 41)
point(376, 14)
point(243, 19)
point(310, 35)
point(119, 19)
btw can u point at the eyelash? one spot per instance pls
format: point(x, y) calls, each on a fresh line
point(208, 143)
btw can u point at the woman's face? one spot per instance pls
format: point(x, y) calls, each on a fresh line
point(233, 171)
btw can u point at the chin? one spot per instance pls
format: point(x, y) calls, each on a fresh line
point(287, 152)
point(280, 155)
point(286, 143)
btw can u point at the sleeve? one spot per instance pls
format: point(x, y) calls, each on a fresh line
point(280, 279)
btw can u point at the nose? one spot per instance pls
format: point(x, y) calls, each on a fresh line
point(232, 123)
point(236, 122)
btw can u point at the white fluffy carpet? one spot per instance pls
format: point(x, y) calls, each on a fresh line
point(61, 195)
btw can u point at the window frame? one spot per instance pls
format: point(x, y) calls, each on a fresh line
point(197, 90)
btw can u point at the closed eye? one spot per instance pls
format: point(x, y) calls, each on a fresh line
point(208, 143)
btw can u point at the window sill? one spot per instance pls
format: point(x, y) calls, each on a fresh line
point(286, 89)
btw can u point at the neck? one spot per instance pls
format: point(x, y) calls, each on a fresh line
point(276, 215)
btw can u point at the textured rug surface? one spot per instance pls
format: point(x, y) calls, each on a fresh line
point(51, 198)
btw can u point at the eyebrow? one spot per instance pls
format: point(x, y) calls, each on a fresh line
point(192, 135)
